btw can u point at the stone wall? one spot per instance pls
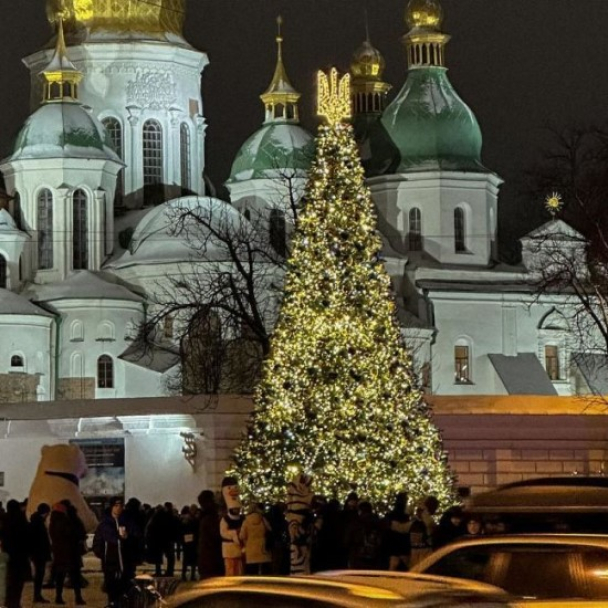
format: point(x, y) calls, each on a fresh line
point(17, 387)
point(71, 389)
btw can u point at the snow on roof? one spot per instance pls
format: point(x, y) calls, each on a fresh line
point(7, 223)
point(15, 304)
point(87, 285)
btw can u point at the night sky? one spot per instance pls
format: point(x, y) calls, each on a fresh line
point(519, 64)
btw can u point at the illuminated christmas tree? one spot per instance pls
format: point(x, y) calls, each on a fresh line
point(338, 398)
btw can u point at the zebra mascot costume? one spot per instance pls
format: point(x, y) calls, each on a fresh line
point(299, 519)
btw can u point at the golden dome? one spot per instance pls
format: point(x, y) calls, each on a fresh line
point(151, 17)
point(426, 14)
point(367, 62)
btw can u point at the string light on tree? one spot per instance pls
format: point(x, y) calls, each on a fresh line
point(338, 397)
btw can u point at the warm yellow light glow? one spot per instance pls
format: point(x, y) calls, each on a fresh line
point(554, 203)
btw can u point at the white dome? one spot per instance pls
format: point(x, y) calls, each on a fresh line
point(181, 230)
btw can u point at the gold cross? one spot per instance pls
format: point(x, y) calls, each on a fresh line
point(333, 96)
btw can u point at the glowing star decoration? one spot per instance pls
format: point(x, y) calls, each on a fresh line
point(333, 102)
point(554, 203)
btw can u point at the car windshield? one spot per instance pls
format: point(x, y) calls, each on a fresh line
point(532, 571)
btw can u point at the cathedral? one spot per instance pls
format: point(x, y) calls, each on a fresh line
point(116, 143)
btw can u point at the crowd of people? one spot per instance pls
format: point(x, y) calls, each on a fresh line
point(50, 547)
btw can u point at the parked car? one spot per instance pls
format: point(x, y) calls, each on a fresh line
point(577, 503)
point(335, 592)
point(544, 569)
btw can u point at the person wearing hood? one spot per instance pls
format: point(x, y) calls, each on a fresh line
point(255, 534)
point(109, 547)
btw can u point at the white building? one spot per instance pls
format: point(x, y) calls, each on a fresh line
point(118, 143)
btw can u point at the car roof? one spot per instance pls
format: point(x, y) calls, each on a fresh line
point(343, 593)
point(418, 584)
point(362, 589)
point(590, 540)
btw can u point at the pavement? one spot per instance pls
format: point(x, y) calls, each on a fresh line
point(93, 594)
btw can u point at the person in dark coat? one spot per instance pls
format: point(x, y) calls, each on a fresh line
point(162, 533)
point(40, 548)
point(108, 546)
point(331, 553)
point(210, 561)
point(397, 545)
point(364, 539)
point(189, 541)
point(15, 544)
point(134, 544)
point(66, 532)
point(451, 526)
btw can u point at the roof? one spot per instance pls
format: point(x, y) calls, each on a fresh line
point(271, 150)
point(522, 374)
point(150, 356)
point(15, 304)
point(427, 127)
point(84, 285)
point(62, 130)
point(594, 368)
point(182, 230)
point(548, 495)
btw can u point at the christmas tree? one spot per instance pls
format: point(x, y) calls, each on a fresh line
point(338, 397)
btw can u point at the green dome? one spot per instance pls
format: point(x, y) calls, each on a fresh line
point(268, 152)
point(62, 130)
point(426, 127)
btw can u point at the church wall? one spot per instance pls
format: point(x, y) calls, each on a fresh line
point(139, 81)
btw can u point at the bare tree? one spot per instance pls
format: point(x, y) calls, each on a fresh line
point(574, 263)
point(218, 310)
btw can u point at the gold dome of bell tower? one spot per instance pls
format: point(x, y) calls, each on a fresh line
point(123, 17)
point(426, 14)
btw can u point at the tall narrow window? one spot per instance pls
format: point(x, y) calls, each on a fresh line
point(79, 225)
point(462, 364)
point(17, 212)
point(114, 134)
point(459, 230)
point(277, 229)
point(3, 273)
point(105, 372)
point(184, 156)
point(552, 361)
point(415, 234)
point(153, 153)
point(45, 229)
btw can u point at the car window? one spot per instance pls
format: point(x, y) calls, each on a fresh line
point(243, 599)
point(469, 562)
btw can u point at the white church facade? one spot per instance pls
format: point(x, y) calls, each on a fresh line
point(117, 142)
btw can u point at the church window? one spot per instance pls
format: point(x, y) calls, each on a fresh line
point(459, 230)
point(552, 361)
point(462, 364)
point(153, 153)
point(17, 361)
point(168, 327)
point(247, 214)
point(105, 372)
point(77, 331)
point(106, 331)
point(184, 156)
point(80, 228)
point(45, 229)
point(278, 232)
point(17, 211)
point(3, 273)
point(114, 134)
point(415, 234)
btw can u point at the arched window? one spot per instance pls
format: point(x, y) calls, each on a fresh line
point(106, 331)
point(462, 362)
point(3, 273)
point(17, 211)
point(17, 361)
point(45, 229)
point(203, 354)
point(77, 331)
point(152, 153)
point(184, 156)
point(415, 233)
point(79, 226)
point(459, 230)
point(277, 230)
point(105, 372)
point(114, 135)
